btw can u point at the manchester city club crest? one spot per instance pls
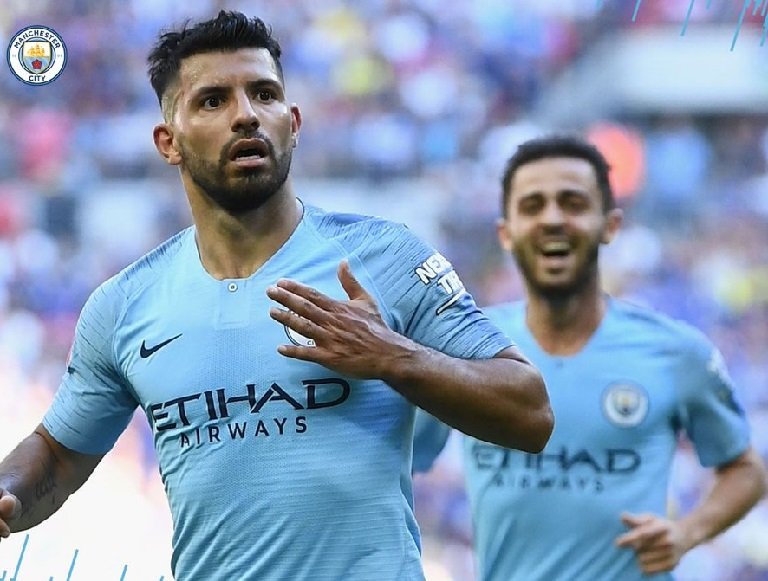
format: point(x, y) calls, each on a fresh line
point(297, 338)
point(625, 404)
point(37, 55)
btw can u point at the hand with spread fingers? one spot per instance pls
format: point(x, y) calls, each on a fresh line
point(349, 336)
point(659, 543)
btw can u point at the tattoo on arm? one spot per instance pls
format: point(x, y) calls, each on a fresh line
point(46, 485)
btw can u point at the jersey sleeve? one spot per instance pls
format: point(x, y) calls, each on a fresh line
point(429, 438)
point(711, 415)
point(93, 405)
point(424, 297)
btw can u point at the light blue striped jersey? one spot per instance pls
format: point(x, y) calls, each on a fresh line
point(275, 468)
point(619, 405)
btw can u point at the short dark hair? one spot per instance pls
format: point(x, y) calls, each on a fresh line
point(558, 146)
point(228, 32)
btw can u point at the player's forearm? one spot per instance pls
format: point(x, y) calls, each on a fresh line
point(738, 487)
point(37, 477)
point(501, 400)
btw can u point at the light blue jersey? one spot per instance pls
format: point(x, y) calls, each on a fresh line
point(275, 468)
point(619, 406)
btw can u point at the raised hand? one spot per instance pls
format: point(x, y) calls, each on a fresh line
point(349, 336)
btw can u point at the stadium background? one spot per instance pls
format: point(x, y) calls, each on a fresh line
point(410, 109)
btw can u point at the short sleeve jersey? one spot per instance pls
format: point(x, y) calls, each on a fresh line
point(619, 405)
point(274, 468)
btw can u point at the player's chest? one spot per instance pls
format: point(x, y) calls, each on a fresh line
point(614, 396)
point(216, 343)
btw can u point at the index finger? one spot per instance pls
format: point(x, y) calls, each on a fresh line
point(306, 292)
point(639, 537)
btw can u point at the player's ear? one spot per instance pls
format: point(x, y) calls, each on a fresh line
point(162, 135)
point(613, 220)
point(295, 124)
point(502, 231)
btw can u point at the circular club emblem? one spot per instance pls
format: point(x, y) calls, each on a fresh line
point(297, 338)
point(625, 404)
point(37, 55)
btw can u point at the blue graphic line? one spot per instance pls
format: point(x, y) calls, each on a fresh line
point(637, 7)
point(758, 3)
point(764, 14)
point(709, 2)
point(4, 574)
point(599, 6)
point(21, 558)
point(72, 566)
point(125, 570)
point(687, 16)
point(741, 21)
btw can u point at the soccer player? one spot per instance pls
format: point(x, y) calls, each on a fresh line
point(624, 382)
point(276, 349)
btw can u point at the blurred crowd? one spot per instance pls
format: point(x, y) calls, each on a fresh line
point(434, 90)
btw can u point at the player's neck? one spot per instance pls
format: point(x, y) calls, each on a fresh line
point(565, 325)
point(236, 247)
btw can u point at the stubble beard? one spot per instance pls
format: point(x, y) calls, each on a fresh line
point(559, 292)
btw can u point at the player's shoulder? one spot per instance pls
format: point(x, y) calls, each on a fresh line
point(643, 320)
point(142, 272)
point(354, 231)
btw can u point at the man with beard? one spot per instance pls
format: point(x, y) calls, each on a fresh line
point(624, 382)
point(277, 350)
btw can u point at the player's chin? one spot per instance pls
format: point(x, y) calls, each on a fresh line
point(555, 287)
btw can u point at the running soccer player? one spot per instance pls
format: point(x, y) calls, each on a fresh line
point(276, 349)
point(624, 382)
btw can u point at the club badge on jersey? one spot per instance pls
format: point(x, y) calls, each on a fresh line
point(625, 404)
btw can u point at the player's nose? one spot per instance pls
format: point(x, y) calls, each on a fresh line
point(552, 215)
point(246, 117)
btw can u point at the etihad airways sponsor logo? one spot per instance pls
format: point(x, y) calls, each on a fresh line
point(271, 410)
point(578, 469)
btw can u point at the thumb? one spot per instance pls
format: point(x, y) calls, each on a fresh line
point(348, 281)
point(10, 506)
point(10, 510)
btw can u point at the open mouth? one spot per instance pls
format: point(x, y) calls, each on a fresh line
point(249, 150)
point(555, 249)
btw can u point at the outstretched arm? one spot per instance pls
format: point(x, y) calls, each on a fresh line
point(36, 478)
point(660, 543)
point(501, 400)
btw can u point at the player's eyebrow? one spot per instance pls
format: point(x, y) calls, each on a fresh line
point(215, 89)
point(529, 195)
point(273, 84)
point(208, 89)
point(573, 192)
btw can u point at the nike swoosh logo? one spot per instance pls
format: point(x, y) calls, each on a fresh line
point(146, 352)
